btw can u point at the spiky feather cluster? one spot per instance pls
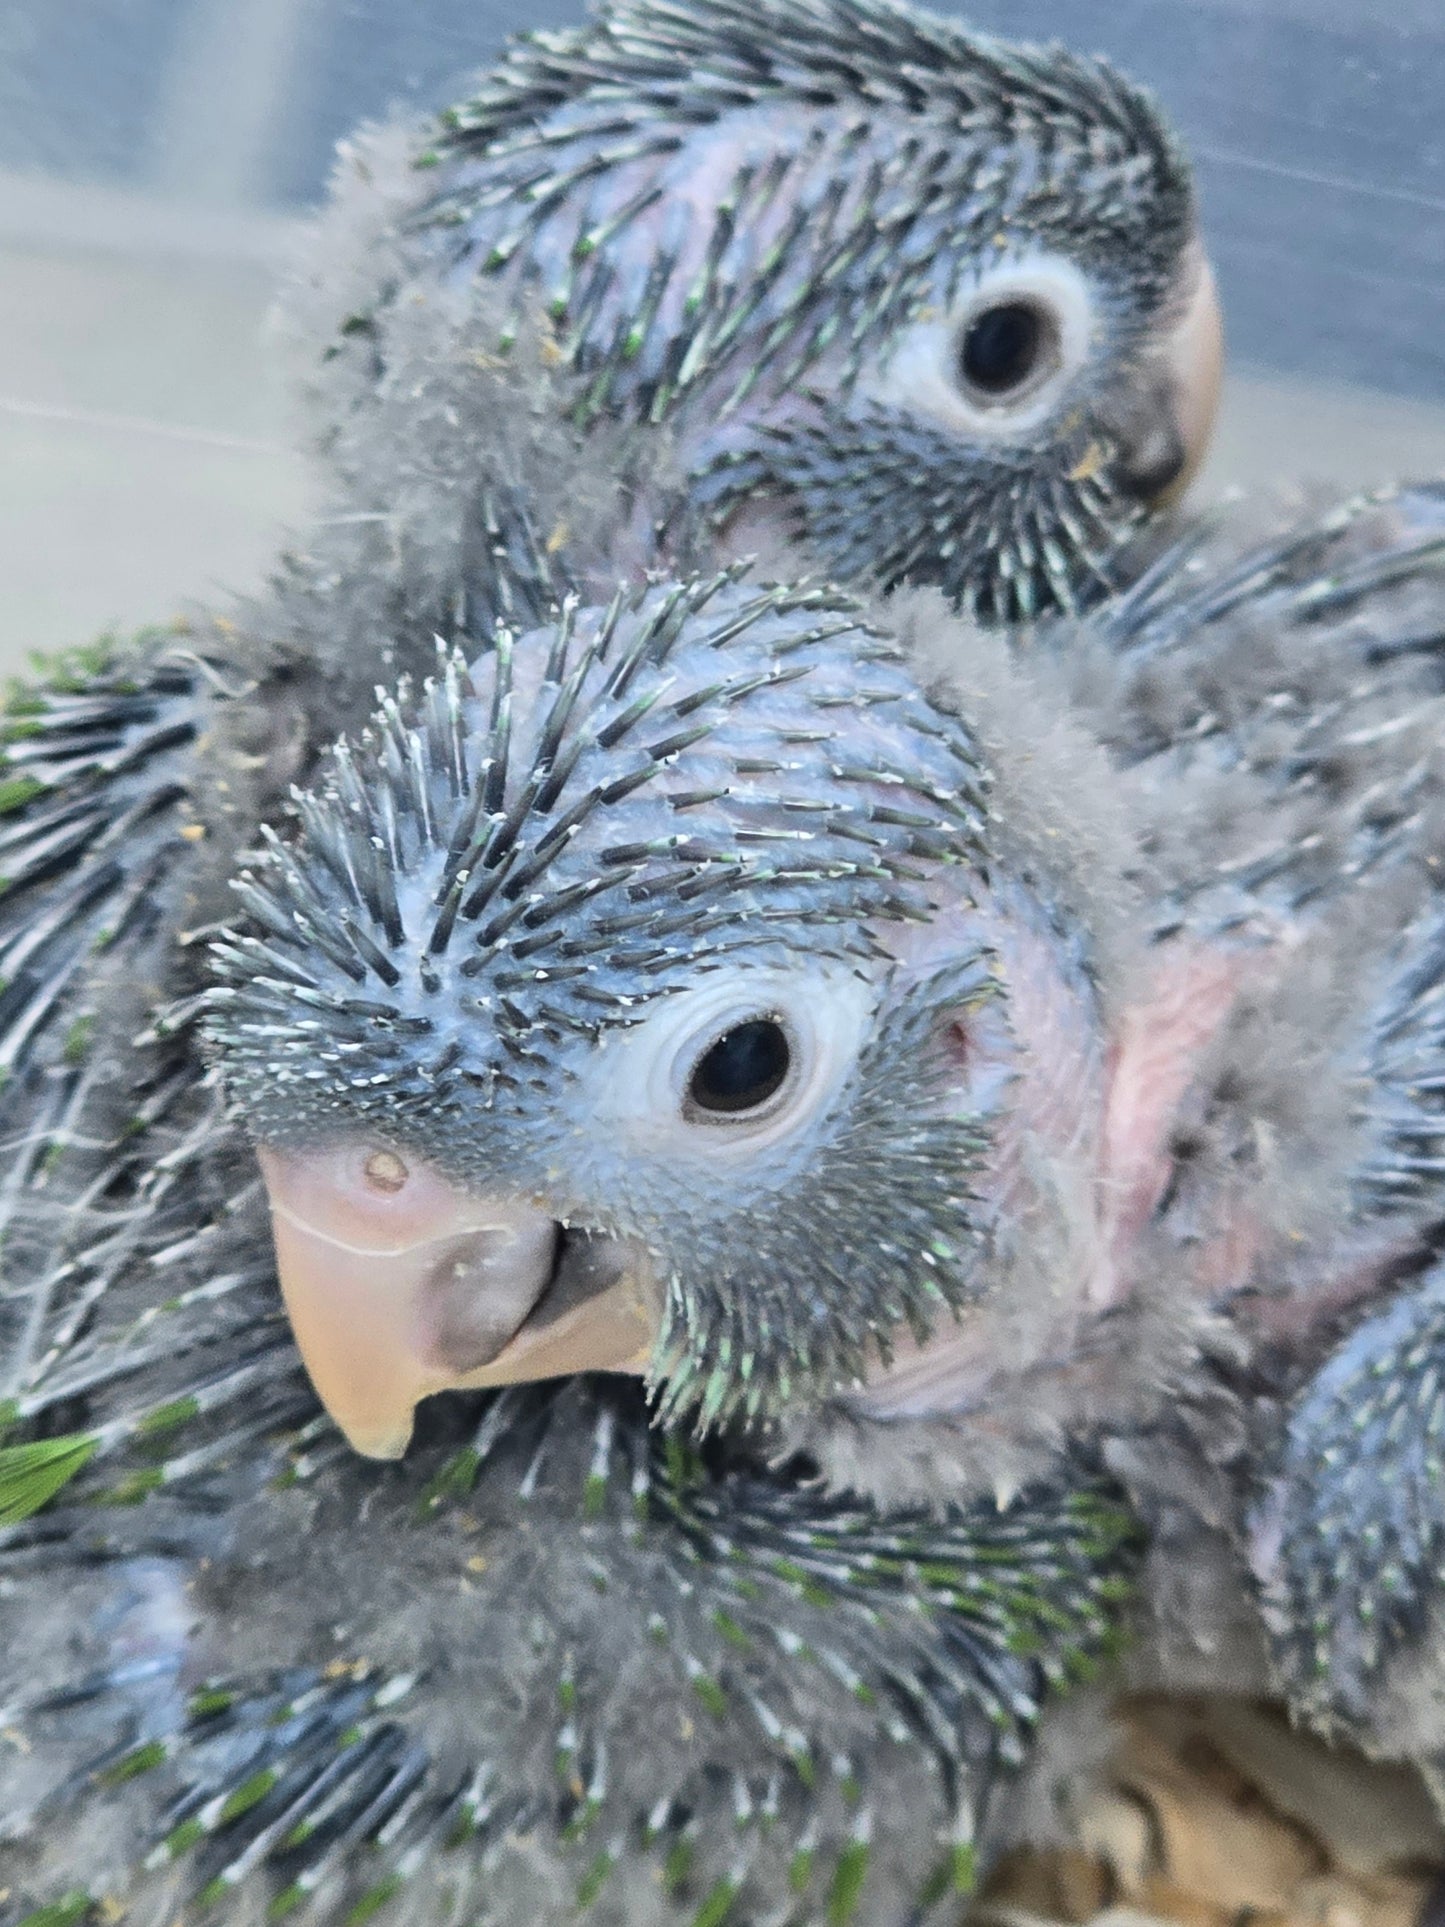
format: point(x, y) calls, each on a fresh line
point(860, 1686)
point(1349, 1520)
point(913, 137)
point(1010, 534)
point(59, 810)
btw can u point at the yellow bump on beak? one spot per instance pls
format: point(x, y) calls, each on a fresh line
point(398, 1291)
point(1089, 463)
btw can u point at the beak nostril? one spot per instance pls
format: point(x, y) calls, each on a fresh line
point(384, 1171)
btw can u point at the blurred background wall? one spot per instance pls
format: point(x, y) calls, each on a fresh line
point(158, 156)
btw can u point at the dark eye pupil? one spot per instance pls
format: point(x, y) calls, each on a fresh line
point(1002, 347)
point(743, 1068)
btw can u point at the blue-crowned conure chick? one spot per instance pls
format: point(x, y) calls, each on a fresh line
point(692, 992)
point(1201, 1076)
point(1239, 1153)
point(651, 1011)
point(882, 201)
point(1246, 849)
point(931, 304)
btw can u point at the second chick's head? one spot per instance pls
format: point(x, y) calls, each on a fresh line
point(931, 304)
point(647, 1000)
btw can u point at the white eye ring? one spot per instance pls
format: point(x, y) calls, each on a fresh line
point(925, 372)
point(644, 1078)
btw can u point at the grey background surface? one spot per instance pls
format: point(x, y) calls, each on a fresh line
point(157, 157)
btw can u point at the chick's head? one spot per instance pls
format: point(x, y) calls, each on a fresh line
point(931, 304)
point(646, 999)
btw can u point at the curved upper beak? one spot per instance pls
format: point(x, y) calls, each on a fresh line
point(1170, 419)
point(399, 1290)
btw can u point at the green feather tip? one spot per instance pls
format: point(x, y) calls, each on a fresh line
point(31, 1475)
point(61, 1913)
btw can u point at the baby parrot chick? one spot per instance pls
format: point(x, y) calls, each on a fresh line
point(846, 1065)
point(607, 1012)
point(931, 304)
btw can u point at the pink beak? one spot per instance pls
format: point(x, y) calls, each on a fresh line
point(1191, 360)
point(398, 1286)
point(1196, 359)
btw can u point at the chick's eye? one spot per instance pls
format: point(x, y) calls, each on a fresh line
point(742, 1070)
point(1006, 349)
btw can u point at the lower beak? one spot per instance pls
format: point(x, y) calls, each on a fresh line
point(466, 1292)
point(1168, 435)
